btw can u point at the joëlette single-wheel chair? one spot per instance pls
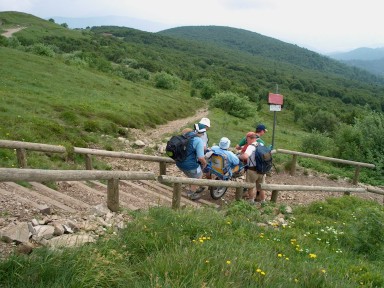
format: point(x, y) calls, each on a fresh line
point(219, 169)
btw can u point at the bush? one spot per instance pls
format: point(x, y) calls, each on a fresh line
point(233, 104)
point(322, 121)
point(359, 144)
point(164, 80)
point(207, 87)
point(315, 143)
point(41, 49)
point(367, 234)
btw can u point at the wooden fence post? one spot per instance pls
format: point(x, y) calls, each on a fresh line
point(274, 196)
point(88, 162)
point(21, 157)
point(176, 195)
point(163, 168)
point(293, 165)
point(239, 193)
point(356, 177)
point(113, 194)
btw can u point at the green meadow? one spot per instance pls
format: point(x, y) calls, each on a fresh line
point(335, 243)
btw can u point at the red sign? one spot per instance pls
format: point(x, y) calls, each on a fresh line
point(276, 99)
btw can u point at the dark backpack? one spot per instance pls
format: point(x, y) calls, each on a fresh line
point(177, 147)
point(263, 159)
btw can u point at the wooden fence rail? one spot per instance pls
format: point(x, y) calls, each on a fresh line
point(21, 148)
point(177, 181)
point(113, 177)
point(88, 160)
point(295, 154)
point(275, 188)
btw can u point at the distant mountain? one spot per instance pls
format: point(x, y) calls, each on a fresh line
point(135, 23)
point(369, 59)
point(363, 53)
point(257, 45)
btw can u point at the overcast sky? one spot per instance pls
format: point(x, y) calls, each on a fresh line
point(319, 25)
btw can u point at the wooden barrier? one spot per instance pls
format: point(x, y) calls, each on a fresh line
point(177, 181)
point(113, 177)
point(88, 160)
point(295, 154)
point(275, 188)
point(21, 148)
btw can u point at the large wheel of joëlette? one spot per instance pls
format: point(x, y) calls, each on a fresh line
point(217, 192)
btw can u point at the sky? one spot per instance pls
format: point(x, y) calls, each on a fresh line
point(322, 26)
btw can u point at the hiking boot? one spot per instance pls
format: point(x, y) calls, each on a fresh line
point(189, 193)
point(200, 189)
point(194, 196)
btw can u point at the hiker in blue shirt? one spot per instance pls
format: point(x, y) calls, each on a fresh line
point(194, 163)
point(223, 147)
point(203, 125)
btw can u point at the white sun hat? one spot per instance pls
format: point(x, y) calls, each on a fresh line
point(224, 143)
point(206, 122)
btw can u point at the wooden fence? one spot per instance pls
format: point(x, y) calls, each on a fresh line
point(88, 159)
point(21, 148)
point(295, 154)
point(177, 181)
point(275, 188)
point(113, 177)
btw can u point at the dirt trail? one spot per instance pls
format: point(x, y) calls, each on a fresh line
point(9, 32)
point(161, 131)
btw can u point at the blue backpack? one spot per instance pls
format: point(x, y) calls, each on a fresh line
point(263, 159)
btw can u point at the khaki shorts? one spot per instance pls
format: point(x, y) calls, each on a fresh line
point(254, 177)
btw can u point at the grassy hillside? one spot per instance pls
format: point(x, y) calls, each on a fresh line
point(335, 243)
point(74, 86)
point(46, 101)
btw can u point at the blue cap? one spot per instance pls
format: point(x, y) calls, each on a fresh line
point(261, 127)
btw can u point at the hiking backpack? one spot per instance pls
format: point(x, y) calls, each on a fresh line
point(263, 159)
point(177, 147)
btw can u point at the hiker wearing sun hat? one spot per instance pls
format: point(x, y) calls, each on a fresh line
point(204, 124)
point(223, 147)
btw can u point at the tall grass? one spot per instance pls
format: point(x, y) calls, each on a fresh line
point(336, 243)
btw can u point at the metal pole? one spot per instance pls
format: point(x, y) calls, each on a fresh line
point(273, 130)
point(274, 120)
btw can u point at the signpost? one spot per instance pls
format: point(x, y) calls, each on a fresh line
point(275, 102)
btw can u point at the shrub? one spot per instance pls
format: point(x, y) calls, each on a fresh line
point(232, 103)
point(322, 121)
point(315, 143)
point(164, 80)
point(367, 234)
point(41, 49)
point(207, 87)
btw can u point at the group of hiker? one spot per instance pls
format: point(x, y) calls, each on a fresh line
point(194, 163)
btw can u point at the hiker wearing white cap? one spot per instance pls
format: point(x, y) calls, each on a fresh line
point(204, 124)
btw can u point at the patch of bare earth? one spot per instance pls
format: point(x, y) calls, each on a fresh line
point(9, 32)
